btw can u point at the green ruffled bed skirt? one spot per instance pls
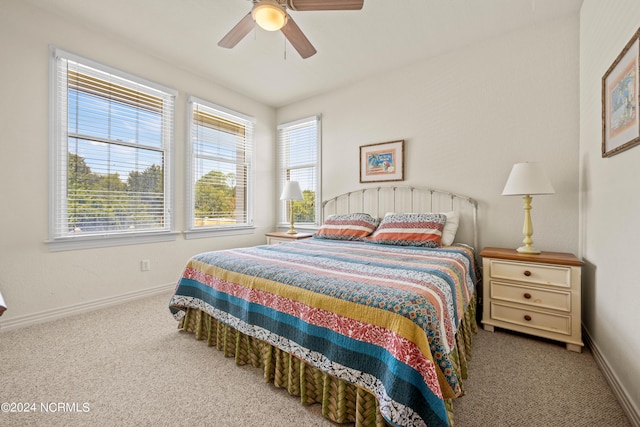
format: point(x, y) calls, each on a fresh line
point(341, 402)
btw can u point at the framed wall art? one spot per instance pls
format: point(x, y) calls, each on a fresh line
point(620, 122)
point(382, 162)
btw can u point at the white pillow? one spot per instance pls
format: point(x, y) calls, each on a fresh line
point(450, 227)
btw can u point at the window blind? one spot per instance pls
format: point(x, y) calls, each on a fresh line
point(221, 143)
point(111, 151)
point(299, 160)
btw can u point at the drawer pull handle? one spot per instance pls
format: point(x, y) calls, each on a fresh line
point(527, 317)
point(527, 273)
point(527, 295)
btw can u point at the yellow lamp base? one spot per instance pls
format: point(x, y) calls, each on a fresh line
point(291, 229)
point(527, 250)
point(527, 229)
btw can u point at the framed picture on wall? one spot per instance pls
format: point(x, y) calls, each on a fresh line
point(382, 162)
point(620, 90)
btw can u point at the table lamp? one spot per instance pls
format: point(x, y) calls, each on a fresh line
point(291, 192)
point(525, 180)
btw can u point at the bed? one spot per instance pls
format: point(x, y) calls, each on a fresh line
point(371, 318)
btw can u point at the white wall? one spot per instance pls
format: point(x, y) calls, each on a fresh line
point(466, 118)
point(33, 279)
point(610, 207)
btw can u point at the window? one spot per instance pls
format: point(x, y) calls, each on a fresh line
point(220, 190)
point(111, 138)
point(299, 160)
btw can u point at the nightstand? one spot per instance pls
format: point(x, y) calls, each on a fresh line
point(282, 236)
point(533, 294)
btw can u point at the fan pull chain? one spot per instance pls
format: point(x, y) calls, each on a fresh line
point(285, 48)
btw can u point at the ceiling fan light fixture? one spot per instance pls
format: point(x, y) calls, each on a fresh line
point(269, 15)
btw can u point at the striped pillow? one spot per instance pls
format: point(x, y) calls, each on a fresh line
point(450, 227)
point(423, 230)
point(355, 226)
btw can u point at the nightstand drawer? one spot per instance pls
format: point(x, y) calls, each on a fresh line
point(277, 237)
point(543, 298)
point(531, 273)
point(275, 241)
point(531, 318)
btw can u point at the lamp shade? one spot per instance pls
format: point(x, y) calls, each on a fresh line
point(291, 191)
point(269, 15)
point(527, 178)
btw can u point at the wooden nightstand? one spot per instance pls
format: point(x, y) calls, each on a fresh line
point(534, 294)
point(281, 237)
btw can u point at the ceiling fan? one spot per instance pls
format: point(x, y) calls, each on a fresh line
point(272, 16)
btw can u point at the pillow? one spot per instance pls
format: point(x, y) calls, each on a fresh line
point(450, 227)
point(354, 226)
point(423, 230)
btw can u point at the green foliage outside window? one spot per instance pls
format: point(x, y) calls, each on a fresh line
point(304, 211)
point(99, 202)
point(215, 198)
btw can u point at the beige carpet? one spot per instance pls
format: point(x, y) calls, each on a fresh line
point(129, 366)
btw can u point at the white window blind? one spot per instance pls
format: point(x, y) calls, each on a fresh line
point(111, 142)
point(299, 160)
point(221, 144)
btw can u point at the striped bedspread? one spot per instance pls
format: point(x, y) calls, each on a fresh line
point(382, 317)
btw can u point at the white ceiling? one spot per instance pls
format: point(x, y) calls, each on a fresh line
point(352, 45)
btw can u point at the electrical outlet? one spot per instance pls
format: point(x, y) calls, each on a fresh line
point(145, 265)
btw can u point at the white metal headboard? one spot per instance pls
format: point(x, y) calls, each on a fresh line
point(377, 201)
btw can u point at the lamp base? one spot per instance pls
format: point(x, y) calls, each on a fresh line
point(527, 229)
point(291, 229)
point(528, 250)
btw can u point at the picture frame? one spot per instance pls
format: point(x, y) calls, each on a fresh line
point(620, 93)
point(382, 162)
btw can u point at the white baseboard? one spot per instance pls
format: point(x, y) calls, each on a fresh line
point(58, 313)
point(628, 406)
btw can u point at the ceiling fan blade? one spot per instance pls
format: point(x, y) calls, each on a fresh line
point(305, 5)
point(298, 40)
point(238, 32)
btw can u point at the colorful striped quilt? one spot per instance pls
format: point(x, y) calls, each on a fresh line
point(379, 316)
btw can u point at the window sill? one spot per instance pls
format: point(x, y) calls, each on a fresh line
point(218, 232)
point(90, 242)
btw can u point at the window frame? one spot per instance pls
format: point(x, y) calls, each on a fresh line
point(282, 211)
point(191, 231)
point(58, 142)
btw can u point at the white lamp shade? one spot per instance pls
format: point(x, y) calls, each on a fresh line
point(291, 191)
point(526, 179)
